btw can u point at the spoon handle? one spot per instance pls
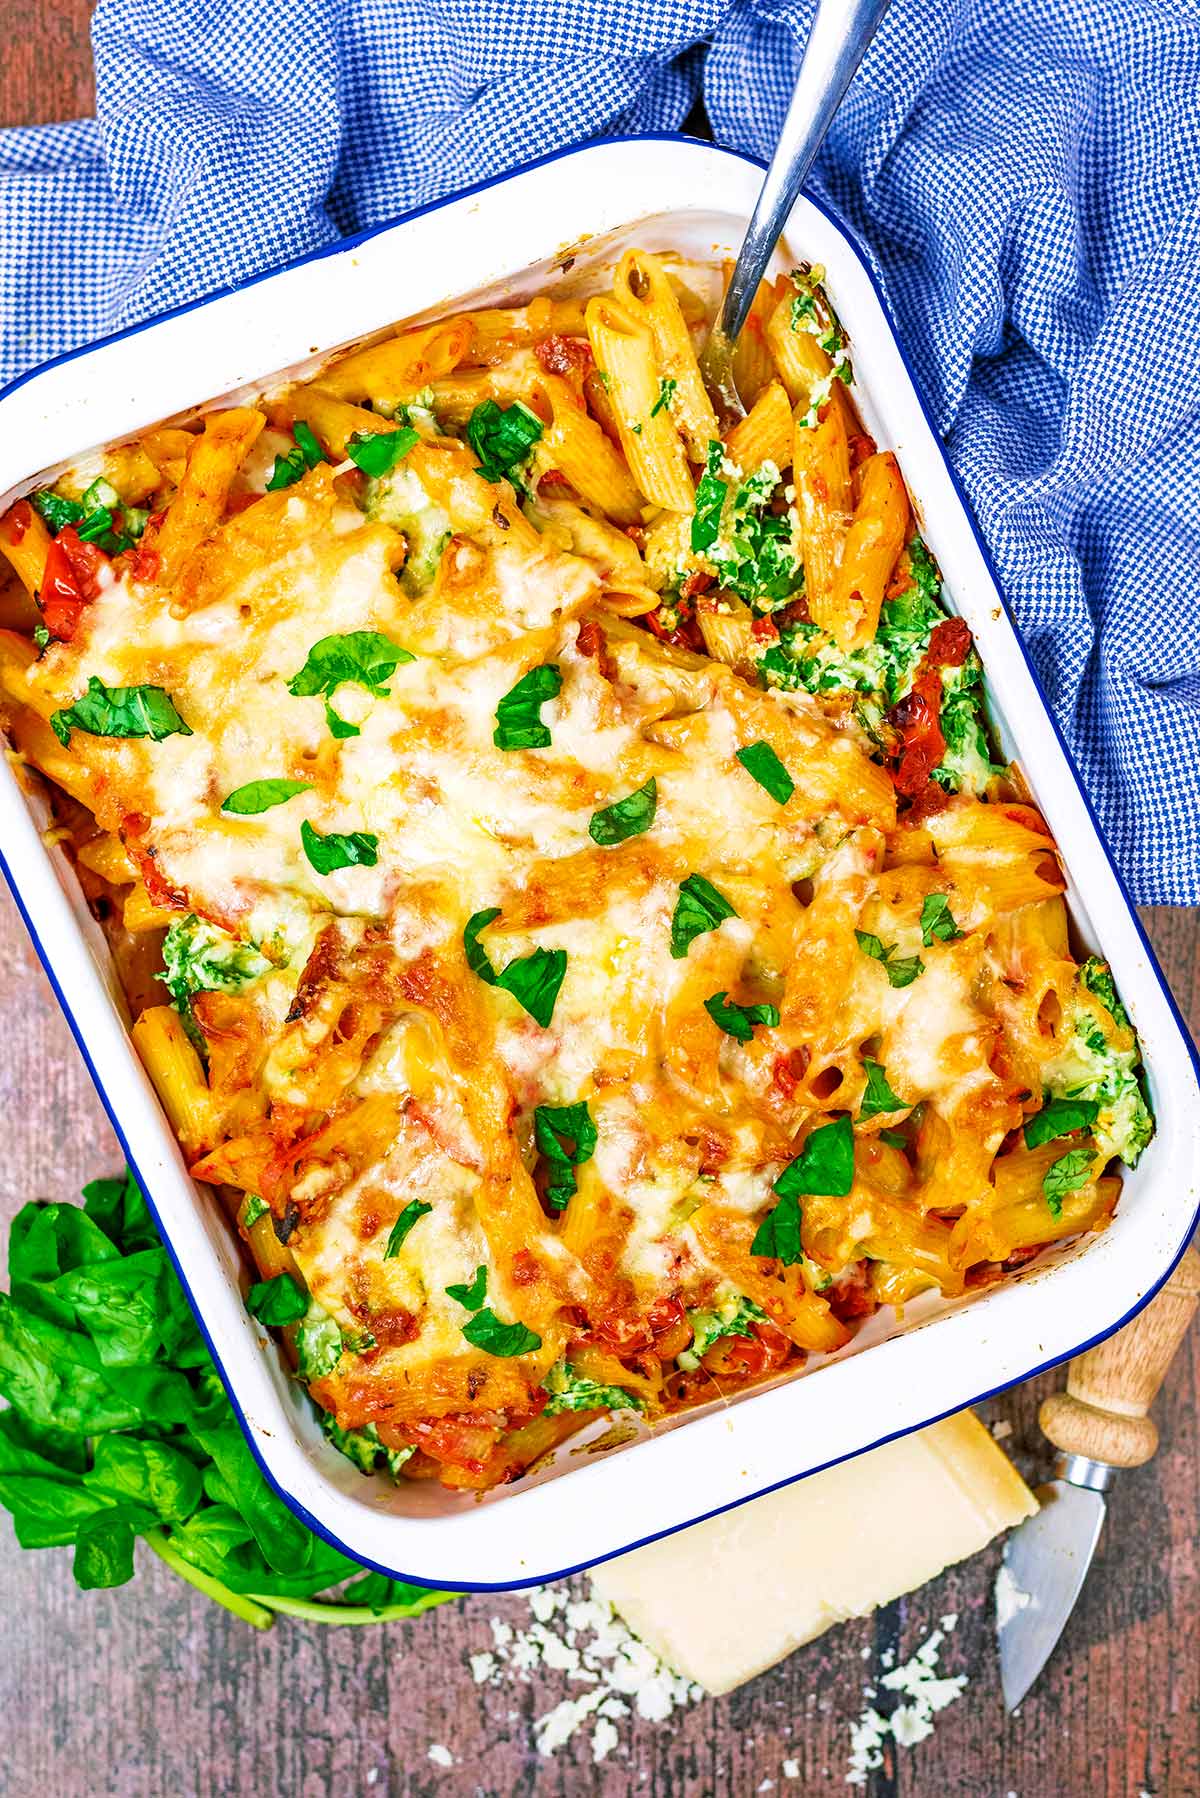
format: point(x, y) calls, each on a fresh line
point(841, 31)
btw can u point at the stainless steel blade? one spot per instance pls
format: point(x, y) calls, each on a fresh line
point(1046, 1560)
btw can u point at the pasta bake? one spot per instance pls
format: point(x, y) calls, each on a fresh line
point(570, 902)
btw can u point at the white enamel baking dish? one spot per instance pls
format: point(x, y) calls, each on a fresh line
point(496, 244)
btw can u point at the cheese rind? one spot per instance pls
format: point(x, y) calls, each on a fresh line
point(730, 1597)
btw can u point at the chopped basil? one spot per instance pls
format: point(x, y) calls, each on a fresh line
point(879, 1095)
point(55, 511)
point(412, 1213)
point(260, 795)
point(1096, 976)
point(485, 1331)
point(254, 1208)
point(739, 1020)
point(502, 437)
point(899, 973)
point(666, 393)
point(279, 1301)
point(358, 849)
point(937, 920)
point(778, 1235)
point(763, 765)
point(698, 909)
point(1067, 1174)
point(566, 1137)
point(365, 658)
point(306, 454)
point(518, 715)
point(625, 818)
point(340, 727)
point(893, 1139)
point(825, 1164)
point(95, 518)
point(471, 1296)
point(378, 452)
point(1059, 1117)
point(120, 712)
point(42, 637)
point(533, 980)
point(710, 500)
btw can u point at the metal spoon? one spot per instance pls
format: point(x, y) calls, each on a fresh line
point(841, 31)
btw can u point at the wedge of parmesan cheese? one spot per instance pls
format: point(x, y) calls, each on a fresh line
point(730, 1597)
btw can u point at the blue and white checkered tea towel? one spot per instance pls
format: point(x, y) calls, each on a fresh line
point(1026, 178)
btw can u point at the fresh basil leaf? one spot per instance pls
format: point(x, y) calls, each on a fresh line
point(340, 727)
point(471, 1296)
point(1067, 1174)
point(307, 444)
point(519, 714)
point(378, 452)
point(825, 1165)
point(778, 1235)
point(763, 765)
point(699, 908)
point(900, 973)
point(55, 511)
point(625, 818)
point(413, 1212)
point(278, 1301)
point(666, 393)
point(739, 1020)
point(1059, 1117)
point(365, 658)
point(710, 501)
point(879, 1095)
point(260, 795)
point(358, 849)
point(937, 920)
point(566, 1136)
point(894, 1140)
point(306, 454)
point(254, 1208)
point(534, 982)
point(120, 712)
point(502, 437)
point(477, 955)
point(485, 1331)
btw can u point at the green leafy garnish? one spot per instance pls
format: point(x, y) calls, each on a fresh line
point(753, 554)
point(1067, 1174)
point(937, 920)
point(365, 658)
point(120, 712)
point(571, 1391)
point(533, 980)
point(698, 909)
point(378, 452)
point(365, 1449)
point(900, 973)
point(893, 1139)
point(566, 1136)
point(778, 1235)
point(118, 1427)
point(739, 1020)
point(1096, 976)
point(666, 393)
point(55, 511)
point(735, 1318)
point(485, 1331)
point(1059, 1117)
point(825, 1164)
point(96, 518)
point(254, 1207)
point(320, 1344)
point(199, 957)
point(279, 1301)
point(471, 1296)
point(412, 1213)
point(625, 818)
point(260, 795)
point(502, 437)
point(292, 465)
point(354, 849)
point(879, 1095)
point(519, 714)
point(763, 765)
point(710, 501)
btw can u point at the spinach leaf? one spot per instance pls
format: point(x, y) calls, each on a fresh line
point(485, 1331)
point(319, 1344)
point(710, 501)
point(625, 818)
point(502, 437)
point(763, 765)
point(413, 1212)
point(358, 849)
point(120, 712)
point(571, 1391)
point(739, 1020)
point(103, 1552)
point(142, 1472)
point(698, 909)
point(566, 1137)
point(279, 1301)
point(260, 795)
point(519, 714)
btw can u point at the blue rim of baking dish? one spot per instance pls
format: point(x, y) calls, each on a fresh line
point(348, 243)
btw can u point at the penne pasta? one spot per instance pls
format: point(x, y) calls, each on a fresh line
point(623, 345)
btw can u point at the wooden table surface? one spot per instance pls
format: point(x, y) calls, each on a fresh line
point(151, 1690)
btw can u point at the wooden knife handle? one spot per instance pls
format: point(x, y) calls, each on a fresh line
point(1110, 1388)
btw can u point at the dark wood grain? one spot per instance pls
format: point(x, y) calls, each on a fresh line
point(151, 1690)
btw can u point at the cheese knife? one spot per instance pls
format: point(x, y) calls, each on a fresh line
point(1099, 1425)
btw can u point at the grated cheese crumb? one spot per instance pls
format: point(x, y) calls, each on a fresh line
point(927, 1692)
point(1009, 1597)
point(791, 1769)
point(604, 1740)
point(1001, 1429)
point(440, 1756)
point(482, 1667)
